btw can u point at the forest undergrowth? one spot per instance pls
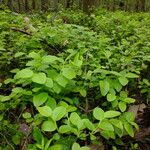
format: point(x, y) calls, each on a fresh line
point(72, 81)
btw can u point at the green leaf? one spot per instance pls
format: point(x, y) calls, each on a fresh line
point(123, 94)
point(104, 87)
point(51, 73)
point(112, 91)
point(75, 146)
point(146, 82)
point(111, 97)
point(122, 106)
point(81, 125)
point(58, 113)
point(18, 90)
point(64, 129)
point(34, 55)
point(5, 98)
point(114, 103)
point(85, 148)
point(112, 134)
point(129, 100)
point(111, 114)
point(115, 73)
point(37, 134)
point(45, 111)
point(49, 82)
point(49, 59)
point(1, 117)
point(108, 134)
point(105, 134)
point(40, 99)
point(89, 124)
point(77, 62)
point(57, 88)
point(123, 80)
point(130, 117)
point(98, 113)
point(49, 126)
point(129, 129)
point(75, 131)
point(74, 118)
point(117, 85)
point(24, 73)
point(135, 125)
point(7, 81)
point(105, 125)
point(83, 92)
point(71, 108)
point(69, 73)
point(29, 120)
point(26, 115)
point(119, 132)
point(56, 147)
point(119, 141)
point(18, 54)
point(131, 75)
point(51, 102)
point(117, 123)
point(114, 148)
point(61, 80)
point(47, 144)
point(16, 139)
point(64, 104)
point(56, 136)
point(39, 78)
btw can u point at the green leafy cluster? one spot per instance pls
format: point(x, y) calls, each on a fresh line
point(71, 82)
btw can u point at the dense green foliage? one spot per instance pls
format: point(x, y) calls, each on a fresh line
point(86, 5)
point(69, 78)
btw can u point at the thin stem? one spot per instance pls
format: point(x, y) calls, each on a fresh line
point(86, 99)
point(7, 141)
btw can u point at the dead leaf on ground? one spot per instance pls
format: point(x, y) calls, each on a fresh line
point(96, 147)
point(137, 108)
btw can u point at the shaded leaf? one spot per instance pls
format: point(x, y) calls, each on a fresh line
point(39, 78)
point(105, 125)
point(24, 73)
point(89, 124)
point(129, 129)
point(45, 111)
point(111, 114)
point(51, 102)
point(50, 59)
point(75, 146)
point(122, 106)
point(69, 73)
point(56, 147)
point(61, 80)
point(64, 129)
point(129, 100)
point(74, 118)
point(123, 80)
point(111, 97)
point(98, 113)
point(40, 99)
point(49, 125)
point(131, 75)
point(58, 113)
point(104, 87)
point(117, 123)
point(49, 82)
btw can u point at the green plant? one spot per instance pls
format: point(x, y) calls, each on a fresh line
point(47, 82)
point(72, 83)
